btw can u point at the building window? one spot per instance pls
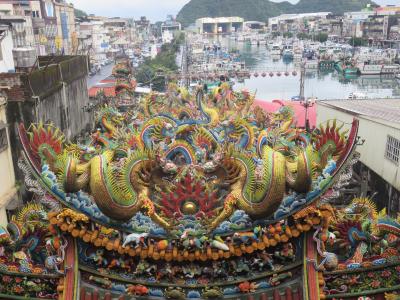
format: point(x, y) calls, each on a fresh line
point(3, 139)
point(392, 149)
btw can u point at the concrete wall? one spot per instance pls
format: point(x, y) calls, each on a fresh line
point(57, 94)
point(375, 132)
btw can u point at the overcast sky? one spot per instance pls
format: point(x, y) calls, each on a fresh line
point(155, 10)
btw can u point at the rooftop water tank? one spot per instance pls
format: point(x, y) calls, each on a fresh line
point(24, 57)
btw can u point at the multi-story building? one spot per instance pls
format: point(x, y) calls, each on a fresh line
point(219, 25)
point(387, 10)
point(169, 28)
point(97, 39)
point(7, 178)
point(66, 33)
point(6, 47)
point(84, 40)
point(170, 25)
point(118, 32)
point(296, 22)
point(8, 191)
point(38, 26)
point(332, 25)
point(143, 27)
point(394, 33)
point(46, 25)
point(376, 27)
point(19, 13)
point(48, 34)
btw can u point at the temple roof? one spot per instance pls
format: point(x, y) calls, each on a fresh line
point(298, 109)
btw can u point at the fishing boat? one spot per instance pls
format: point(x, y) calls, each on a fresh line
point(346, 68)
point(276, 50)
point(287, 52)
point(297, 54)
point(378, 68)
point(311, 64)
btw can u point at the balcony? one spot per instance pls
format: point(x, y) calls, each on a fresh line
point(38, 23)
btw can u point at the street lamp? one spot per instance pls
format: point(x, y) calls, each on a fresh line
point(307, 103)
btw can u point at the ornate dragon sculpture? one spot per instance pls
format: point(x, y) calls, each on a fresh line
point(231, 161)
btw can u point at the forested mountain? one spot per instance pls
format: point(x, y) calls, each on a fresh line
point(261, 10)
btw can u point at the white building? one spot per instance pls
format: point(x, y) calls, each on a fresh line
point(380, 155)
point(6, 47)
point(8, 192)
point(19, 15)
point(98, 39)
point(7, 177)
point(219, 25)
point(170, 25)
point(276, 21)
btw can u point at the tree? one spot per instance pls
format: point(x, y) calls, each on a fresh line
point(357, 42)
point(321, 37)
point(153, 71)
point(287, 34)
point(80, 13)
point(303, 36)
point(276, 33)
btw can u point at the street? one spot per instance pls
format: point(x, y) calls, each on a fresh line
point(104, 73)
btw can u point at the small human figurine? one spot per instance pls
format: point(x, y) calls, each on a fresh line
point(52, 262)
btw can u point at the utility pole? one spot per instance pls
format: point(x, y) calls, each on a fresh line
point(306, 103)
point(185, 63)
point(302, 79)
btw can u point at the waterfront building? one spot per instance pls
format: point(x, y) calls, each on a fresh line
point(331, 25)
point(380, 154)
point(219, 25)
point(376, 27)
point(253, 25)
point(388, 10)
point(295, 22)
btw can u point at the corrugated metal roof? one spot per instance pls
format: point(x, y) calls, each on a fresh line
point(384, 109)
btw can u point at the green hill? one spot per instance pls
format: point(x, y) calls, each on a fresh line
point(80, 13)
point(261, 10)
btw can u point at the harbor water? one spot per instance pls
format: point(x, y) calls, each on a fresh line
point(320, 84)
